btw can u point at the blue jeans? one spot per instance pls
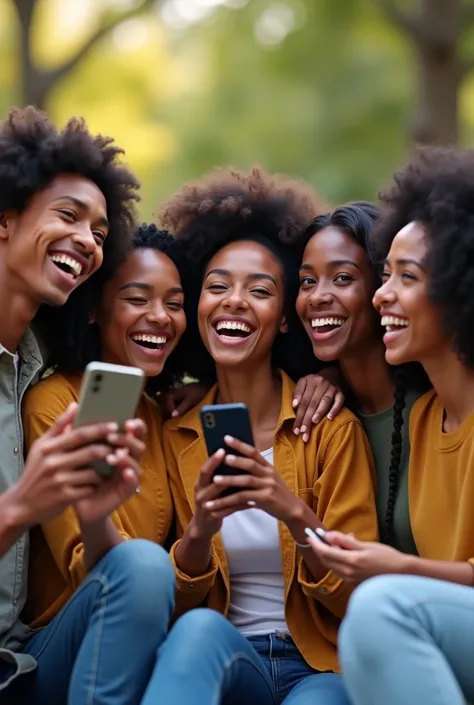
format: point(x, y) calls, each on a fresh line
point(409, 641)
point(206, 661)
point(101, 648)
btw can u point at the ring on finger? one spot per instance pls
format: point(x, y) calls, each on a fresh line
point(251, 503)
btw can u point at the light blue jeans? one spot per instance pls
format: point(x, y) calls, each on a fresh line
point(101, 648)
point(206, 661)
point(409, 641)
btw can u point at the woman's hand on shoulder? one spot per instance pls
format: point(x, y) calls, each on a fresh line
point(176, 402)
point(316, 397)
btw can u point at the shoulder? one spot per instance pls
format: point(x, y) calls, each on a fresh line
point(424, 406)
point(54, 393)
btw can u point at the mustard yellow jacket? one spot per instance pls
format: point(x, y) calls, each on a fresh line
point(332, 473)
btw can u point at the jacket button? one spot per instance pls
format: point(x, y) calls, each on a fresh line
point(16, 450)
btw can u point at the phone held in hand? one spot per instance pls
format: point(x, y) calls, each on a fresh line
point(220, 420)
point(318, 533)
point(108, 393)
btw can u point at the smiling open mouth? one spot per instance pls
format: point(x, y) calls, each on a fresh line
point(394, 323)
point(233, 330)
point(66, 264)
point(326, 325)
point(151, 342)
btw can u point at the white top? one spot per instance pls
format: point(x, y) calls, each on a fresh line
point(257, 594)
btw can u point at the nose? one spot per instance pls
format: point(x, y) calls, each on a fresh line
point(85, 241)
point(320, 295)
point(158, 314)
point(235, 301)
point(385, 294)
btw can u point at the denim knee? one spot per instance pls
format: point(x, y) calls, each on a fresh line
point(198, 632)
point(141, 573)
point(365, 629)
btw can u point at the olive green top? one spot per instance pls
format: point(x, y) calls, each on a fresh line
point(379, 428)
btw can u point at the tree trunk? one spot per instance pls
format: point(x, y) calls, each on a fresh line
point(439, 72)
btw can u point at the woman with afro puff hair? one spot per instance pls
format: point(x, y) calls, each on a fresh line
point(271, 633)
point(409, 638)
point(66, 216)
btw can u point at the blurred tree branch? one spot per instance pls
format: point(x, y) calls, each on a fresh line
point(37, 84)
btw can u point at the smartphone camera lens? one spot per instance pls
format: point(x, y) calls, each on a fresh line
point(209, 420)
point(98, 378)
point(95, 389)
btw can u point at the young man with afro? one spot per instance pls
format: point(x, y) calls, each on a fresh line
point(67, 211)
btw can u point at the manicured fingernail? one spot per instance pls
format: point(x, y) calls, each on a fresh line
point(209, 505)
point(218, 478)
point(315, 418)
point(174, 413)
point(310, 533)
point(228, 439)
point(305, 437)
point(231, 458)
point(296, 431)
point(112, 427)
point(295, 402)
point(111, 458)
point(330, 417)
point(113, 437)
point(303, 429)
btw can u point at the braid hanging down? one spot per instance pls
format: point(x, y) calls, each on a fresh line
point(396, 454)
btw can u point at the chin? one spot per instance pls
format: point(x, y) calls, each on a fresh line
point(396, 357)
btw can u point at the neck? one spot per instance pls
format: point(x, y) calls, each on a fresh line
point(369, 378)
point(257, 388)
point(453, 382)
point(16, 311)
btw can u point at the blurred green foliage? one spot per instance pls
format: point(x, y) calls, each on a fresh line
point(322, 89)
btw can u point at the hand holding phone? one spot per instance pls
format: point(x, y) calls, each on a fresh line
point(220, 420)
point(109, 393)
point(318, 533)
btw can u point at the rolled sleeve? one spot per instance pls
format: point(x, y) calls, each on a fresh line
point(192, 591)
point(331, 591)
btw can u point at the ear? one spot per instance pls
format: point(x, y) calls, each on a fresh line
point(4, 226)
point(283, 325)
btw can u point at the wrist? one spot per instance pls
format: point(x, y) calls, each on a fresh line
point(16, 516)
point(407, 564)
point(297, 515)
point(195, 532)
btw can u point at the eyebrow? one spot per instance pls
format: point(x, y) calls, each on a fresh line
point(83, 207)
point(404, 262)
point(148, 287)
point(333, 263)
point(255, 276)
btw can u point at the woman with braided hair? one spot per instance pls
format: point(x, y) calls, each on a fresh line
point(338, 278)
point(408, 637)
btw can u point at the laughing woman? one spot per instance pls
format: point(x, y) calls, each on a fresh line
point(245, 555)
point(137, 319)
point(338, 278)
point(420, 625)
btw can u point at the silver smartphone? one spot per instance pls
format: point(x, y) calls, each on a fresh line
point(108, 393)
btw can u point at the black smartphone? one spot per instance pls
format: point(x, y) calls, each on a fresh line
point(219, 420)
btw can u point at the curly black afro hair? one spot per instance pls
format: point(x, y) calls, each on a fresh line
point(33, 152)
point(228, 205)
point(75, 341)
point(436, 189)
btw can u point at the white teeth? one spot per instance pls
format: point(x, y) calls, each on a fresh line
point(70, 261)
point(233, 325)
point(155, 339)
point(394, 321)
point(319, 322)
